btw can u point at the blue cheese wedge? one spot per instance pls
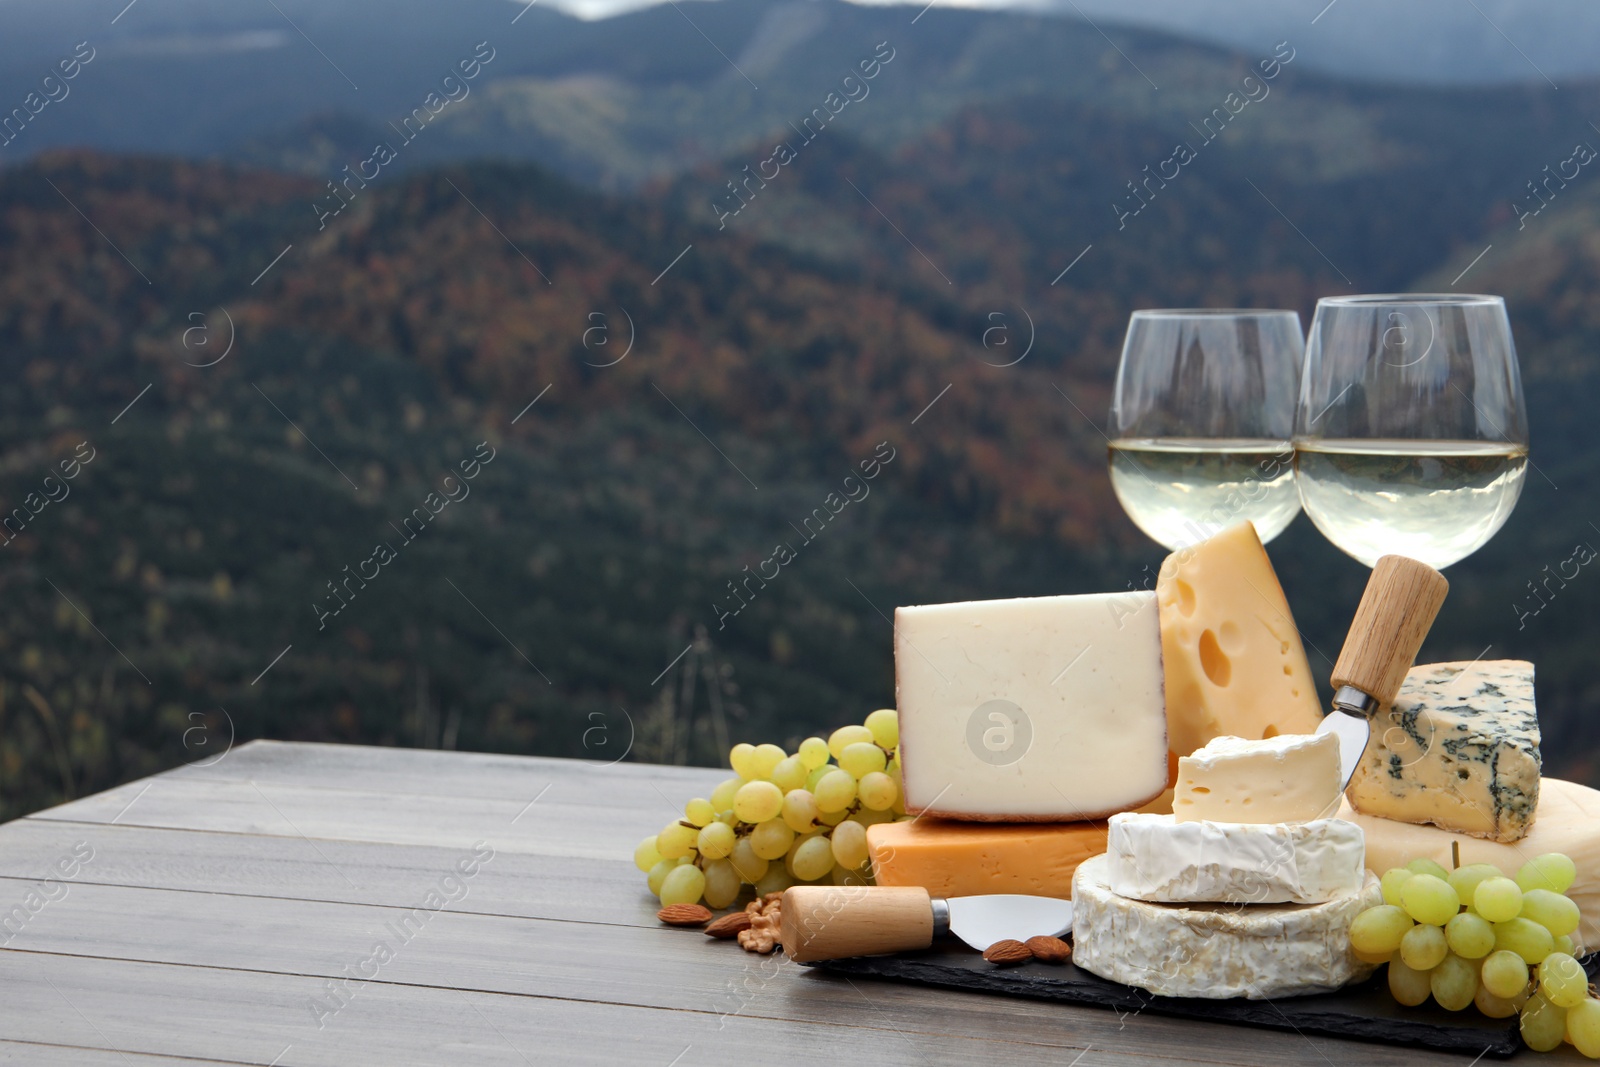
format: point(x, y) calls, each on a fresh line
point(1459, 750)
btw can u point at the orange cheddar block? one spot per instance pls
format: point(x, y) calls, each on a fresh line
point(961, 859)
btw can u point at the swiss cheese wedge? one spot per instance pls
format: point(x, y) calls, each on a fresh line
point(1233, 659)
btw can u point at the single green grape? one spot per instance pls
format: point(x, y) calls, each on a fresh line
point(1423, 865)
point(746, 863)
point(645, 855)
point(1429, 899)
point(849, 840)
point(1551, 910)
point(722, 795)
point(1492, 1006)
point(1408, 985)
point(1524, 937)
point(771, 839)
point(812, 860)
point(1562, 980)
point(676, 840)
point(816, 775)
point(1552, 871)
point(699, 811)
point(877, 791)
point(1583, 1028)
point(790, 773)
point(683, 884)
point(658, 874)
point(862, 758)
point(836, 790)
point(833, 818)
point(758, 801)
point(1454, 982)
point(1464, 880)
point(1469, 936)
point(813, 752)
point(1392, 880)
point(1567, 945)
point(722, 884)
point(716, 840)
point(727, 817)
point(1377, 931)
point(776, 879)
point(885, 726)
point(1497, 899)
point(1505, 974)
point(1543, 1024)
point(1423, 946)
point(800, 810)
point(739, 759)
point(765, 758)
point(846, 735)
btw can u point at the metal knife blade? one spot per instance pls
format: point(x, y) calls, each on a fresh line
point(1353, 731)
point(981, 921)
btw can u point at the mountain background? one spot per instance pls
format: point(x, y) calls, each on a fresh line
point(272, 378)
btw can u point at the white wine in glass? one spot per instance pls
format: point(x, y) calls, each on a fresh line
point(1411, 436)
point(1201, 420)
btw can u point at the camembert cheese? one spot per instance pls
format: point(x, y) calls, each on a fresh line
point(1037, 709)
point(1289, 778)
point(1459, 749)
point(1155, 858)
point(1215, 951)
point(1233, 658)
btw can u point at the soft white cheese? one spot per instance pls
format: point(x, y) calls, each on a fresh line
point(1158, 859)
point(1044, 708)
point(1289, 778)
point(1215, 951)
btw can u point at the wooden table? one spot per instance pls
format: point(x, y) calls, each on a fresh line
point(233, 914)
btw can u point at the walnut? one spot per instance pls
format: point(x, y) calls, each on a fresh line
point(765, 915)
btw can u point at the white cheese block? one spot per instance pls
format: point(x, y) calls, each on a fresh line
point(1215, 951)
point(1289, 778)
point(1158, 859)
point(1459, 749)
point(1568, 822)
point(1037, 709)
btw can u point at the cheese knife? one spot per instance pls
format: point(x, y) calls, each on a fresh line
point(832, 922)
point(1402, 599)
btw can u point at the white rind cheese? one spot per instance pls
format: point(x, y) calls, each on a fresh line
point(1216, 951)
point(1289, 778)
point(1459, 749)
point(1036, 709)
point(1157, 859)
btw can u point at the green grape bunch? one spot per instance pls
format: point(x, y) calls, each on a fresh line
point(1473, 936)
point(783, 819)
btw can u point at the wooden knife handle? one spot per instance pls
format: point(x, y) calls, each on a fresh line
point(1402, 599)
point(832, 922)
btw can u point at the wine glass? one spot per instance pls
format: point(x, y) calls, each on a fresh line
point(1411, 436)
point(1201, 420)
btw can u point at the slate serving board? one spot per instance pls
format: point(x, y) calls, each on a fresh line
point(1364, 1011)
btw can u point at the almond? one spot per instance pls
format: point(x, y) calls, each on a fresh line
point(684, 915)
point(1049, 949)
point(1007, 953)
point(728, 927)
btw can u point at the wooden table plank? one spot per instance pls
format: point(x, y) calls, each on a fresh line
point(522, 884)
point(254, 1018)
point(42, 1055)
